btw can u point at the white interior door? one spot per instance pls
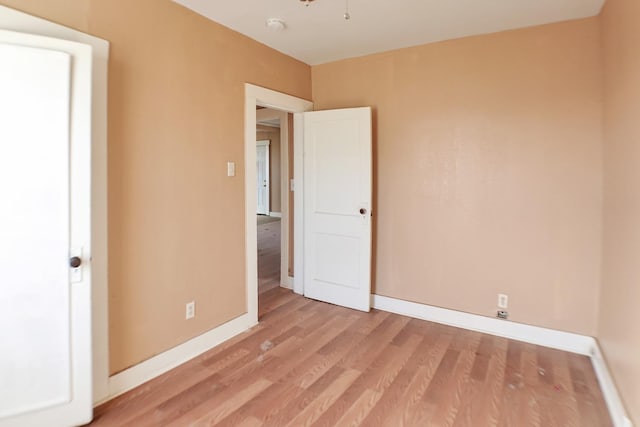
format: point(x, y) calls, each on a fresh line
point(262, 176)
point(45, 181)
point(337, 207)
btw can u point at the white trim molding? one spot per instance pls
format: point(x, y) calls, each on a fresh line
point(275, 214)
point(164, 362)
point(287, 283)
point(298, 202)
point(566, 341)
point(611, 396)
point(284, 214)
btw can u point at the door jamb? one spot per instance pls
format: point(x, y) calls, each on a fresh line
point(298, 203)
point(283, 116)
point(284, 199)
point(256, 95)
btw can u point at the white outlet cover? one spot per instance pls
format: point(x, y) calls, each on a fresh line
point(190, 310)
point(503, 301)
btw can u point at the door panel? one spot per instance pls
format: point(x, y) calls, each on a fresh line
point(337, 186)
point(344, 172)
point(34, 247)
point(335, 254)
point(45, 308)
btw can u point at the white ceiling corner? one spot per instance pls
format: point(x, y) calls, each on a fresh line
point(319, 33)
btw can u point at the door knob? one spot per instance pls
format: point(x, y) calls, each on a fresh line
point(75, 262)
point(363, 211)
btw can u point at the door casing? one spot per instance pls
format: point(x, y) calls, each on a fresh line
point(254, 96)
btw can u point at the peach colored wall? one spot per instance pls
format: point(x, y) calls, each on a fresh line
point(176, 112)
point(619, 326)
point(71, 13)
point(273, 135)
point(488, 170)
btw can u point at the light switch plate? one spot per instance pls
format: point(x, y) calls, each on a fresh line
point(231, 169)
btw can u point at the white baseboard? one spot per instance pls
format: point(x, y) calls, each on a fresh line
point(275, 214)
point(288, 283)
point(158, 365)
point(566, 341)
point(611, 396)
point(574, 343)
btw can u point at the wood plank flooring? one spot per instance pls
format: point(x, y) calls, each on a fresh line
point(310, 363)
point(268, 253)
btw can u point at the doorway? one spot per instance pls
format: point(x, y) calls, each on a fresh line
point(256, 96)
point(312, 248)
point(270, 142)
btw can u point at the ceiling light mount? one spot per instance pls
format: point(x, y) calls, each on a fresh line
point(307, 2)
point(275, 24)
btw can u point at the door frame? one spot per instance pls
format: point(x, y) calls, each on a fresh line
point(254, 96)
point(283, 116)
point(266, 143)
point(14, 20)
point(298, 202)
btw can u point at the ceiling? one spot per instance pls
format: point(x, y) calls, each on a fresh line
point(267, 117)
point(275, 123)
point(319, 33)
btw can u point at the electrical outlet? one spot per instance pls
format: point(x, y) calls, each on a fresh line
point(190, 310)
point(502, 314)
point(503, 301)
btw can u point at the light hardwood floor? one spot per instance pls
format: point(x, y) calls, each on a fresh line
point(268, 253)
point(311, 363)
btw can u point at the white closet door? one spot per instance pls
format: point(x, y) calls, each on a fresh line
point(45, 304)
